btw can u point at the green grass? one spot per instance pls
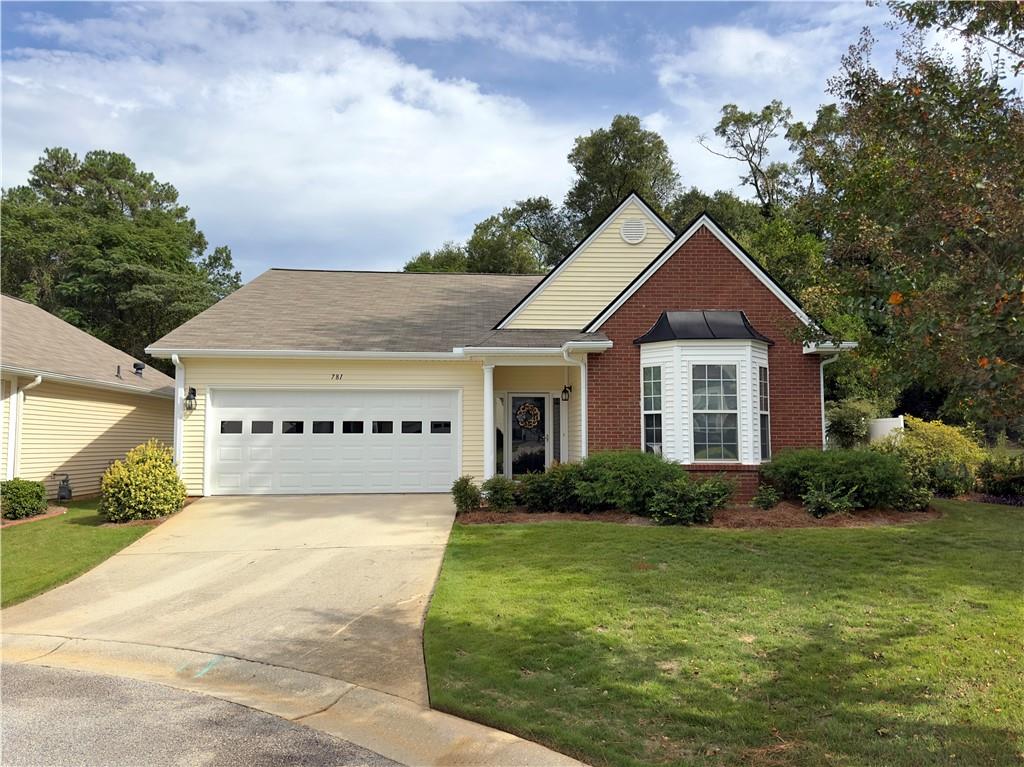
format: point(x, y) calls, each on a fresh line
point(37, 556)
point(895, 645)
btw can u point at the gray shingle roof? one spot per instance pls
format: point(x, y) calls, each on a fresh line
point(34, 341)
point(303, 310)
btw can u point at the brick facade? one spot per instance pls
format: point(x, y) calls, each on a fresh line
point(703, 274)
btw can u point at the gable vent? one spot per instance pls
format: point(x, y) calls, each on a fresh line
point(633, 231)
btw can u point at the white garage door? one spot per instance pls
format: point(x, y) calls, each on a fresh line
point(265, 442)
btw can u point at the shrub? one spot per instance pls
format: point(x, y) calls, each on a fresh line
point(685, 502)
point(849, 421)
point(624, 480)
point(937, 456)
point(554, 490)
point(825, 498)
point(1002, 477)
point(144, 485)
point(872, 479)
point(766, 497)
point(22, 498)
point(500, 493)
point(466, 495)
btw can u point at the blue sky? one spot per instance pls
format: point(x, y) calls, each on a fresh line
point(354, 136)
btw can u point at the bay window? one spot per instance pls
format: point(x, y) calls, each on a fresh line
point(763, 413)
point(715, 413)
point(651, 395)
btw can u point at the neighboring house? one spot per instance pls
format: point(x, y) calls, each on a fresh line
point(326, 382)
point(71, 403)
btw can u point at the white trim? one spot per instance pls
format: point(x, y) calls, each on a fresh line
point(672, 248)
point(12, 428)
point(546, 417)
point(78, 381)
point(302, 353)
point(209, 413)
point(632, 198)
point(829, 347)
point(563, 428)
point(489, 435)
point(179, 411)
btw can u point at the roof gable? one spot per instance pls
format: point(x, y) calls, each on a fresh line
point(706, 222)
point(595, 270)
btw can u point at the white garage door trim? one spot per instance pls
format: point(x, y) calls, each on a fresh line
point(211, 407)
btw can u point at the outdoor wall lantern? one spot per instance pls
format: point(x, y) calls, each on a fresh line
point(190, 398)
point(566, 390)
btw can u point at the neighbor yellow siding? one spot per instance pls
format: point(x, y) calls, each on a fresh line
point(316, 374)
point(595, 276)
point(79, 430)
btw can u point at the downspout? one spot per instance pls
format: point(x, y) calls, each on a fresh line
point(179, 410)
point(582, 364)
point(821, 372)
point(14, 430)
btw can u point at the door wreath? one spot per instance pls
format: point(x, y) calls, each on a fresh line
point(528, 415)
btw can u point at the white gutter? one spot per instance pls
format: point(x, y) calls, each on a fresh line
point(179, 410)
point(829, 347)
point(79, 381)
point(14, 413)
point(821, 374)
point(302, 353)
point(582, 364)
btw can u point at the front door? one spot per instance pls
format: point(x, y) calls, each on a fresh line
point(528, 441)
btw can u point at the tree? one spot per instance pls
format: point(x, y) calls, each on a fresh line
point(109, 249)
point(610, 163)
point(450, 257)
point(998, 23)
point(548, 226)
point(746, 136)
point(497, 246)
point(920, 195)
point(738, 217)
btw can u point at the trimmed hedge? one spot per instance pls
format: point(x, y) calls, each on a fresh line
point(554, 490)
point(144, 485)
point(21, 498)
point(623, 479)
point(870, 479)
point(466, 495)
point(685, 502)
point(500, 493)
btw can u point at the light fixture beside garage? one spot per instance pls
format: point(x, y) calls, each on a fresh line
point(190, 398)
point(566, 391)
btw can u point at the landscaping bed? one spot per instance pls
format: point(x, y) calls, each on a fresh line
point(651, 645)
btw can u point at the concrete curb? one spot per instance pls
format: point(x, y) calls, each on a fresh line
point(391, 726)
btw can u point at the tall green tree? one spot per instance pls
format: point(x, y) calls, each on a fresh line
point(920, 194)
point(108, 248)
point(739, 217)
point(450, 257)
point(611, 162)
point(1000, 23)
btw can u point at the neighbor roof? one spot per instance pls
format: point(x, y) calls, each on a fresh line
point(702, 326)
point(339, 311)
point(34, 342)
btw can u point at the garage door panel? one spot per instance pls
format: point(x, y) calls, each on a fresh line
point(331, 459)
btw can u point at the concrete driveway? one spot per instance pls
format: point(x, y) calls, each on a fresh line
point(335, 585)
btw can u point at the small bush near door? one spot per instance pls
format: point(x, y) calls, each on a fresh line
point(624, 479)
point(466, 495)
point(21, 498)
point(144, 485)
point(554, 490)
point(500, 493)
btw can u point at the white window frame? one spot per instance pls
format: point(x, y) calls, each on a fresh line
point(693, 412)
point(644, 411)
point(764, 415)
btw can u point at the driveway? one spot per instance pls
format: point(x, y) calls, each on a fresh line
point(334, 585)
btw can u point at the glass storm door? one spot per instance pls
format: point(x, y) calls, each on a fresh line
point(528, 433)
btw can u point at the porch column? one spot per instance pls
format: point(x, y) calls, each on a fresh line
point(488, 421)
point(583, 407)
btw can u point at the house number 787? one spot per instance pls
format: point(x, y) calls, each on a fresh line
point(337, 376)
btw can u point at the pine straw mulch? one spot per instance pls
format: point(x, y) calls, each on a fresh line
point(736, 517)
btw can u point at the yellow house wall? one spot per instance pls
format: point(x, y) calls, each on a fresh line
point(546, 380)
point(79, 430)
point(594, 278)
point(316, 374)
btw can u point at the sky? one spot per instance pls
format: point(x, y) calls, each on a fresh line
point(355, 136)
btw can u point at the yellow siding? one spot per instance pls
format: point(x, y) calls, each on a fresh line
point(547, 379)
point(5, 411)
point(79, 430)
point(594, 277)
point(316, 374)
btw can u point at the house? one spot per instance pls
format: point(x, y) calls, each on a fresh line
point(310, 381)
point(71, 403)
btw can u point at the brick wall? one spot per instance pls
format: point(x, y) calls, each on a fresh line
point(703, 274)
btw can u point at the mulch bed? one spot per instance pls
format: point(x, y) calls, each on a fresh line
point(51, 511)
point(736, 517)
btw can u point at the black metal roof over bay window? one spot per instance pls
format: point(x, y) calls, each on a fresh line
point(704, 325)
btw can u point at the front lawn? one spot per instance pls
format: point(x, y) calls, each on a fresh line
point(37, 556)
point(897, 645)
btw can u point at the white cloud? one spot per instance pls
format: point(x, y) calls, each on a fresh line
point(292, 140)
